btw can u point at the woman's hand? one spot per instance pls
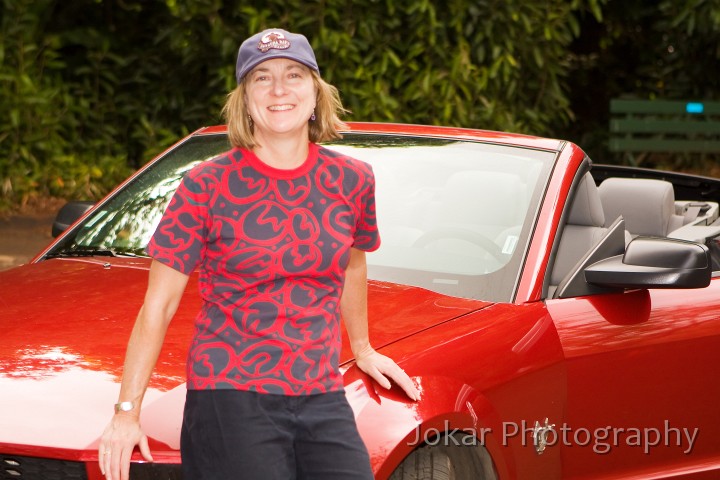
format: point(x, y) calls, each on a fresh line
point(353, 306)
point(165, 289)
point(380, 367)
point(117, 445)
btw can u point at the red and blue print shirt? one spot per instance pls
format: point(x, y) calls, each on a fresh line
point(272, 246)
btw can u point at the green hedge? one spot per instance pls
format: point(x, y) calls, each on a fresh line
point(94, 88)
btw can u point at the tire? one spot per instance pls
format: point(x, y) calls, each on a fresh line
point(426, 463)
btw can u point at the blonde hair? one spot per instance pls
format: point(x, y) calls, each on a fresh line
point(325, 126)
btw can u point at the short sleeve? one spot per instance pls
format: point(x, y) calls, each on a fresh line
point(180, 238)
point(367, 236)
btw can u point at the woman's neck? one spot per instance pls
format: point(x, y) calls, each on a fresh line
point(282, 153)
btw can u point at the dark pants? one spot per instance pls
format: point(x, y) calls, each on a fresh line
point(229, 434)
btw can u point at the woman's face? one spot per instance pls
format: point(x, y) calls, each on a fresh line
point(280, 97)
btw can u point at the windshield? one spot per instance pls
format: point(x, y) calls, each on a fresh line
point(455, 216)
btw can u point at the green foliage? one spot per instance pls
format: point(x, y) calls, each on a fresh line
point(668, 49)
point(488, 63)
point(42, 146)
point(92, 89)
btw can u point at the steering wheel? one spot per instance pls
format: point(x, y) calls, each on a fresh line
point(462, 234)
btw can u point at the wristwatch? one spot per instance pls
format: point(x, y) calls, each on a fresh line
point(124, 406)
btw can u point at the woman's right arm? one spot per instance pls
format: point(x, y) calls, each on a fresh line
point(165, 289)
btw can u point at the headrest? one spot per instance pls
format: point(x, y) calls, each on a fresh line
point(647, 205)
point(587, 210)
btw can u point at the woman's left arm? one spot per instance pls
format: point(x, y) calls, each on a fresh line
point(353, 307)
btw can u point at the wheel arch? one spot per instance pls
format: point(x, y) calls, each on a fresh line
point(449, 414)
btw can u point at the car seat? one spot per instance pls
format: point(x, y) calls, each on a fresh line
point(585, 227)
point(648, 206)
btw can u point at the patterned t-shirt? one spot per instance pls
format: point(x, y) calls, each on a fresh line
point(272, 246)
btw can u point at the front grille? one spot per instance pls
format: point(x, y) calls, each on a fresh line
point(155, 471)
point(15, 467)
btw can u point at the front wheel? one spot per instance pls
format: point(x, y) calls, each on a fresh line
point(447, 462)
point(426, 463)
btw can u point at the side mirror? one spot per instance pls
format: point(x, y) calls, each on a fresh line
point(69, 214)
point(651, 262)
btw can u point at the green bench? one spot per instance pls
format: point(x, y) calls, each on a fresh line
point(663, 126)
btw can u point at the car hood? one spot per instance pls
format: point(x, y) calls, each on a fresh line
point(65, 324)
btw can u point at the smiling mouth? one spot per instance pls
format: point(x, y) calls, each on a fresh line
point(280, 108)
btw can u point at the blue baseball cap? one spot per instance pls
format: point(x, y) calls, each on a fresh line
point(273, 43)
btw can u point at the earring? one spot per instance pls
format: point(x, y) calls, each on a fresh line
point(250, 120)
point(313, 117)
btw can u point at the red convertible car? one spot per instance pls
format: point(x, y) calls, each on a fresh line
point(560, 319)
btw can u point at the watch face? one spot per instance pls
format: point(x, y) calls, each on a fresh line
point(124, 406)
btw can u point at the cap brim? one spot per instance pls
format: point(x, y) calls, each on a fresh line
point(251, 65)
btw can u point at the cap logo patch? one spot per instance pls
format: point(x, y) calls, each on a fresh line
point(274, 40)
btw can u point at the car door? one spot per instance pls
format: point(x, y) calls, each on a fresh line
point(643, 390)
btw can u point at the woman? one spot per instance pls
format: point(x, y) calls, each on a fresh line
point(279, 228)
